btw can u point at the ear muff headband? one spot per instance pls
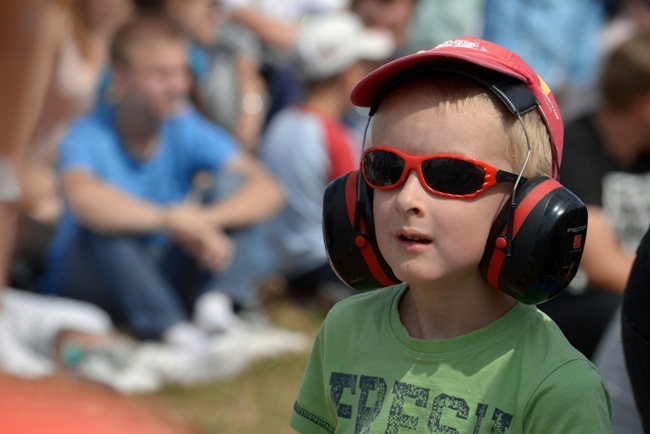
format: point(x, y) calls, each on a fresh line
point(513, 93)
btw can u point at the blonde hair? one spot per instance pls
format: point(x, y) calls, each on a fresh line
point(450, 92)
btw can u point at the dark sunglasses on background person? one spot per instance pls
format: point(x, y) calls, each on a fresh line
point(441, 174)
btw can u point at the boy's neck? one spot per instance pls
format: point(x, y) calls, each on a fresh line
point(138, 131)
point(444, 313)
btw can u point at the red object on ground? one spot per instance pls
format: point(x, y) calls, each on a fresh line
point(67, 406)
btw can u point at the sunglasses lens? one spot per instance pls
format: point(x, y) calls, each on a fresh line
point(382, 168)
point(449, 175)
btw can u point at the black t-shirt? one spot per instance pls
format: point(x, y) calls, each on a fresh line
point(596, 178)
point(635, 319)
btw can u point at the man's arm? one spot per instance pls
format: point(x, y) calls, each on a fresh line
point(605, 261)
point(103, 208)
point(259, 198)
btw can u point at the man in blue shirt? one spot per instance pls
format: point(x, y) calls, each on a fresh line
point(133, 238)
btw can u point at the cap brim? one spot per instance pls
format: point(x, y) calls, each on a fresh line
point(366, 92)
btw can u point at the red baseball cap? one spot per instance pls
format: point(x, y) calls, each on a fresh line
point(476, 52)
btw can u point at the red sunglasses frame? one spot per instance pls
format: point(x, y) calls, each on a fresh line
point(491, 177)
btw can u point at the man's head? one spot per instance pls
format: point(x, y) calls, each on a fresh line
point(625, 78)
point(150, 65)
point(625, 88)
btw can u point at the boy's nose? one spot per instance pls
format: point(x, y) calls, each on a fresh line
point(411, 194)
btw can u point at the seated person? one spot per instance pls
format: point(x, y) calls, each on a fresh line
point(607, 165)
point(306, 146)
point(133, 240)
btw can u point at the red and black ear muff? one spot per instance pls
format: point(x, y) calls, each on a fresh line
point(544, 229)
point(349, 234)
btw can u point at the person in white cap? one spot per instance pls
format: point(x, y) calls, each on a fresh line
point(307, 145)
point(450, 211)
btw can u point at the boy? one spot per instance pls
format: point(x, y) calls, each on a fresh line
point(446, 351)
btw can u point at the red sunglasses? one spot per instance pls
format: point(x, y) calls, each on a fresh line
point(442, 174)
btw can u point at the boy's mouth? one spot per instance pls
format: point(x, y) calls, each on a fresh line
point(413, 238)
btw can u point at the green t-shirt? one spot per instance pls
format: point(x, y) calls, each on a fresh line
point(519, 374)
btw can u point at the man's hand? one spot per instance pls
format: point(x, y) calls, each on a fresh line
point(189, 226)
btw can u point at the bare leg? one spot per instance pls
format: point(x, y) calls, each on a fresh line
point(30, 37)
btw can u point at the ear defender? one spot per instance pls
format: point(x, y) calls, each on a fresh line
point(349, 234)
point(536, 243)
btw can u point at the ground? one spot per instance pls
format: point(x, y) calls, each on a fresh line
point(259, 401)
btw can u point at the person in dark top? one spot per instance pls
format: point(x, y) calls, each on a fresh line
point(635, 323)
point(607, 164)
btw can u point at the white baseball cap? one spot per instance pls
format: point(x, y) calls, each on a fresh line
point(329, 43)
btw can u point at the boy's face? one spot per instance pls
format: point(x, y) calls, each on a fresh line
point(155, 79)
point(426, 238)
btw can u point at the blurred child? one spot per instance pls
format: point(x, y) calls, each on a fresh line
point(307, 145)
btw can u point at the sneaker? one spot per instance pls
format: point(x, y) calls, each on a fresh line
point(187, 366)
point(214, 312)
point(114, 365)
point(262, 339)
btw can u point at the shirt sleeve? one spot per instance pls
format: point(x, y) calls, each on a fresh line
point(313, 411)
point(78, 147)
point(211, 146)
point(573, 399)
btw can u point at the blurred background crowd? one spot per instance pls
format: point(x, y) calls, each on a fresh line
point(162, 166)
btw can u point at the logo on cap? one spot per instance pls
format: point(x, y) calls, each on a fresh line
point(461, 43)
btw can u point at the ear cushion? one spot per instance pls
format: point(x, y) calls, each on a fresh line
point(549, 225)
point(352, 248)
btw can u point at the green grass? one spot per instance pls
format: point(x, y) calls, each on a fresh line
point(258, 401)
